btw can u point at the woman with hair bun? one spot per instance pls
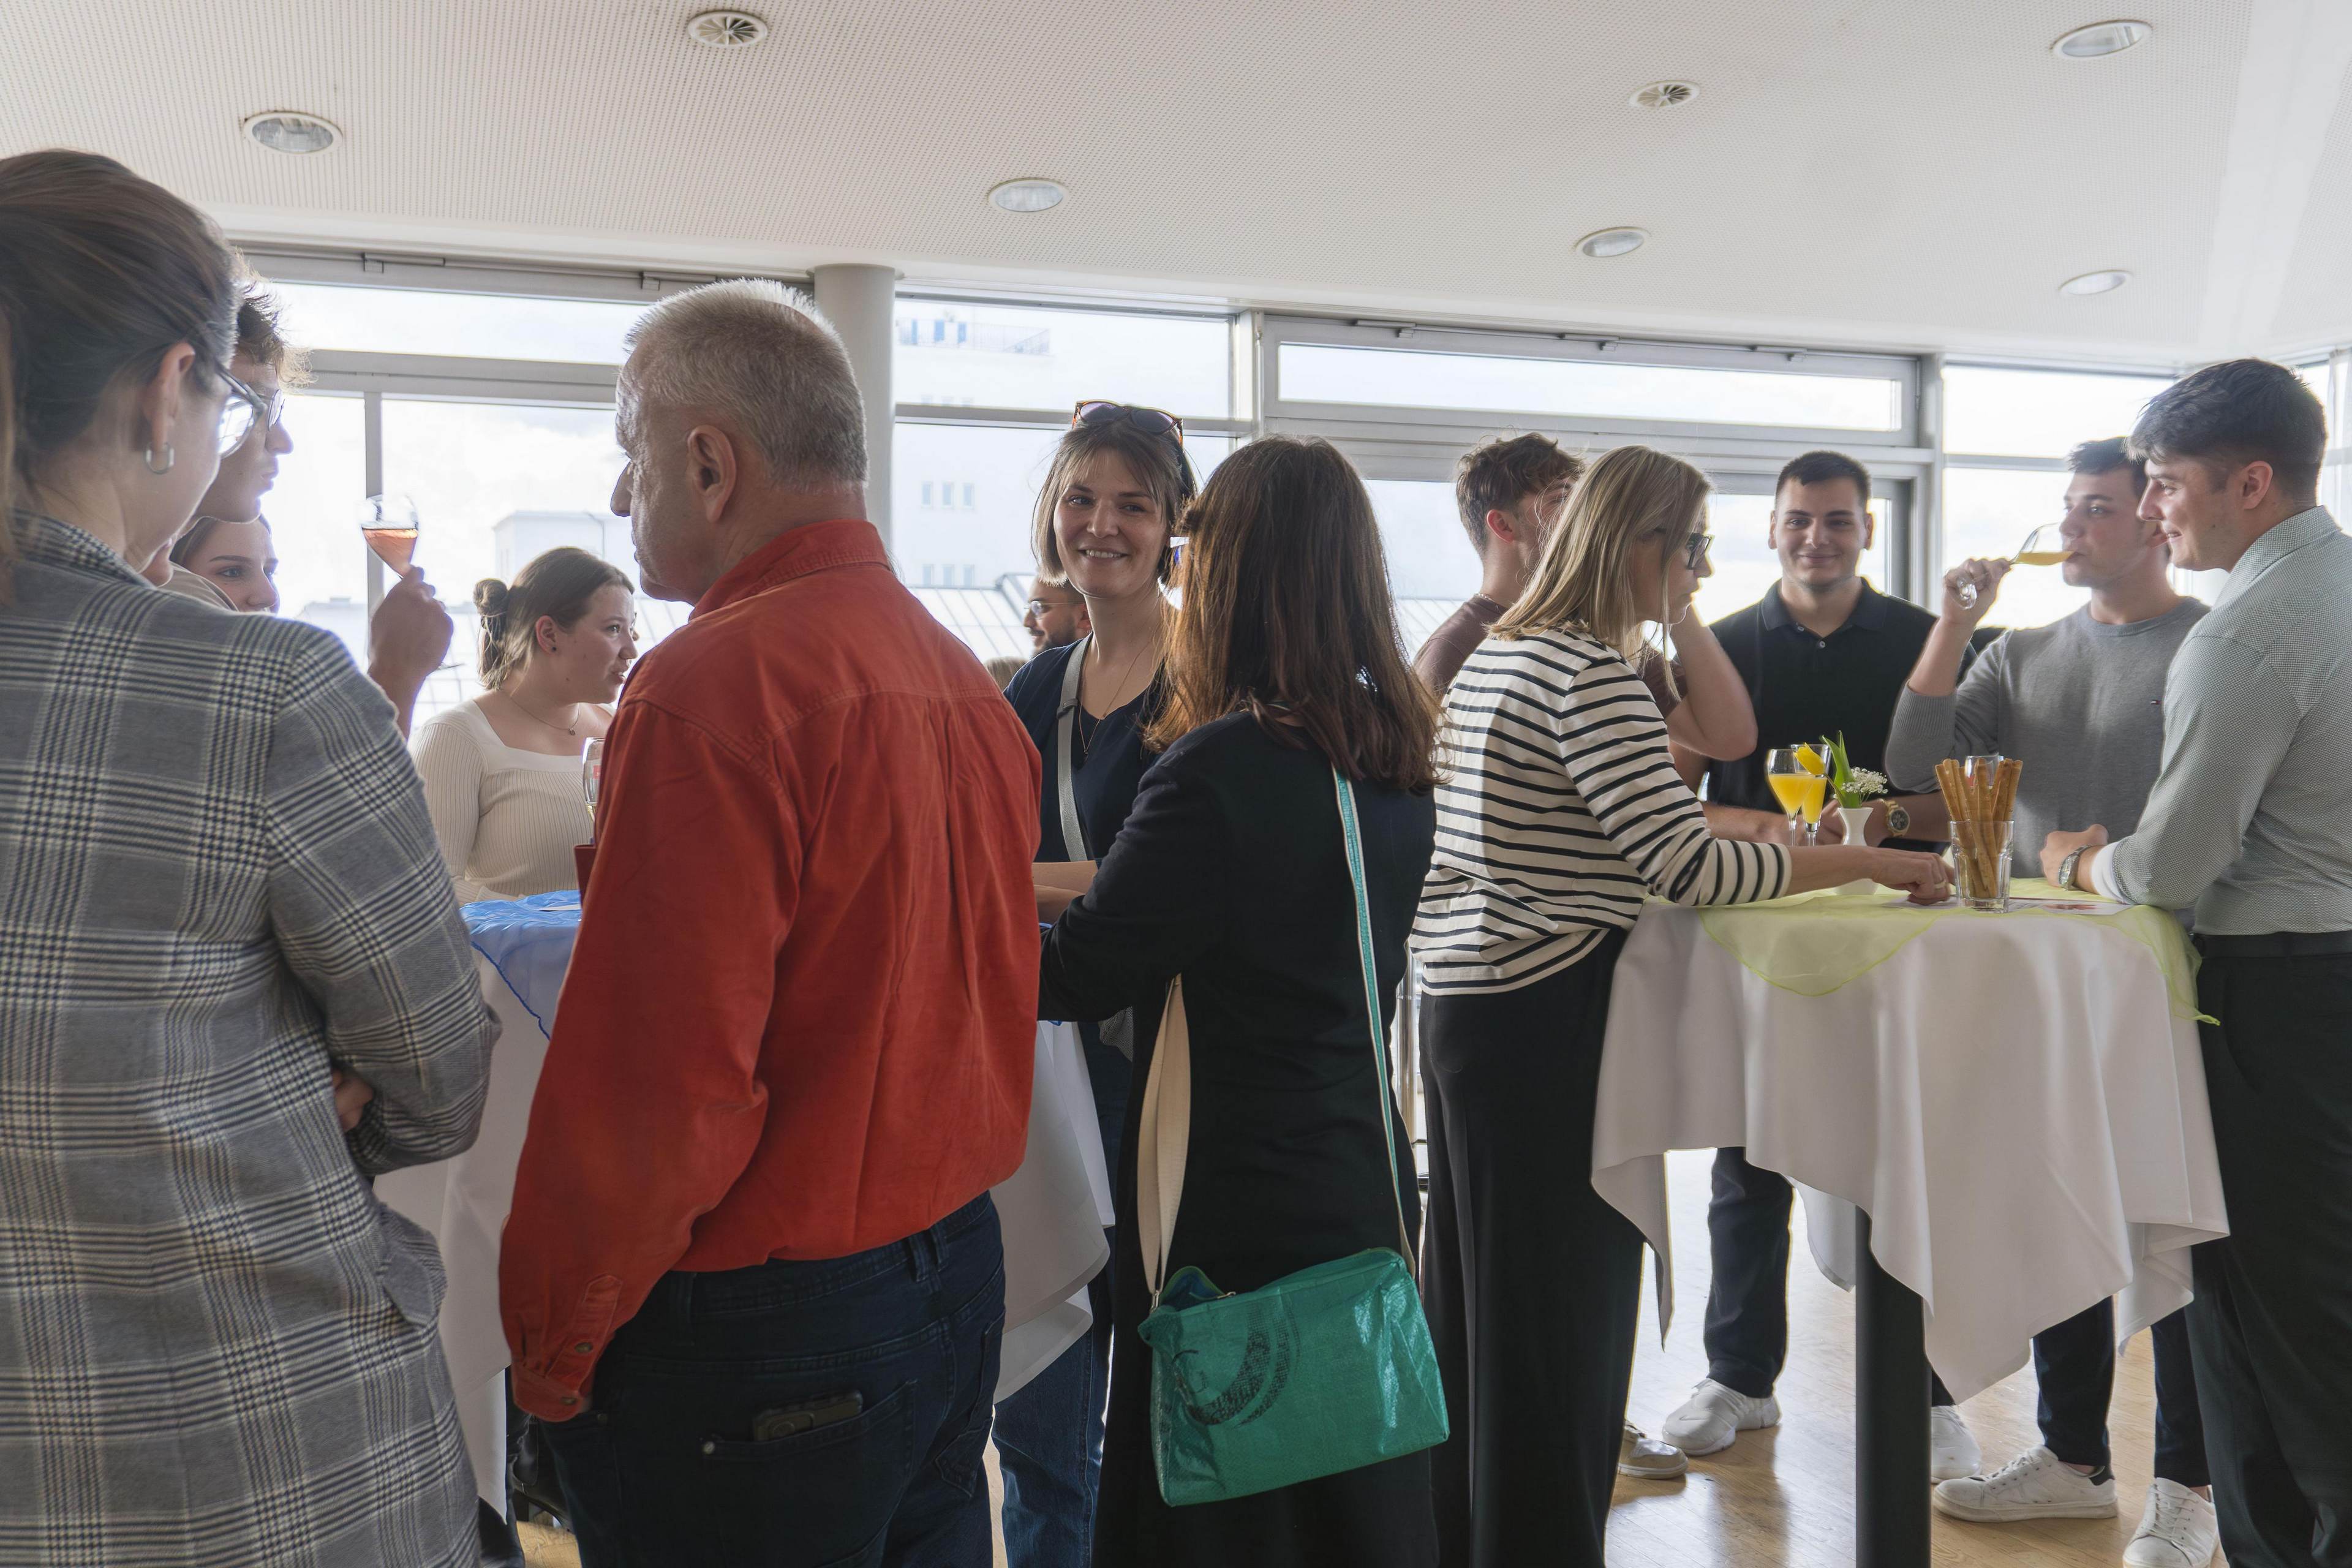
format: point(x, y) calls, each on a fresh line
point(502, 772)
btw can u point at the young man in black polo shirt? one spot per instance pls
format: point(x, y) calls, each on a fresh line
point(1822, 653)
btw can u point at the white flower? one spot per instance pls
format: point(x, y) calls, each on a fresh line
point(1862, 783)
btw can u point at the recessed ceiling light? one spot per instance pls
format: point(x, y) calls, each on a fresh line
point(2095, 282)
point(1603, 243)
point(1028, 195)
point(726, 29)
point(284, 130)
point(1665, 95)
point(2101, 39)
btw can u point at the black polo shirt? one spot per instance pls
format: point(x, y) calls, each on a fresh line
point(1805, 688)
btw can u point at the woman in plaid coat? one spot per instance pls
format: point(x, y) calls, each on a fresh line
point(218, 888)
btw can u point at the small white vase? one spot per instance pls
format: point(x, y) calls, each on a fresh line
point(1857, 817)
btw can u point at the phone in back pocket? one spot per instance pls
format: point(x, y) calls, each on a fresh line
point(792, 1420)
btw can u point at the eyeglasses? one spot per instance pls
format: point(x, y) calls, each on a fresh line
point(1695, 550)
point(1150, 421)
point(245, 412)
point(1039, 606)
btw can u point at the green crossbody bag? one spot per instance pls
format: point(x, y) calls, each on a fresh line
point(1326, 1370)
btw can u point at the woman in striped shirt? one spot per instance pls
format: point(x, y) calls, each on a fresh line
point(1561, 815)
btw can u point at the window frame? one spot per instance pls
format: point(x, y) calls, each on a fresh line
point(1907, 464)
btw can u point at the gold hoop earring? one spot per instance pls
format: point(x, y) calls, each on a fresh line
point(168, 459)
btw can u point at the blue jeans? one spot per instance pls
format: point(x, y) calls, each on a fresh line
point(665, 1471)
point(1049, 1443)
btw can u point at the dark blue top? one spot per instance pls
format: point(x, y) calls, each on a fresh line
point(1109, 766)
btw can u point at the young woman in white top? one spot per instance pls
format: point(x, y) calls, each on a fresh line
point(502, 772)
point(1561, 814)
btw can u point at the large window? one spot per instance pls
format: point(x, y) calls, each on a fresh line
point(493, 411)
point(464, 326)
point(313, 512)
point(959, 354)
point(1508, 383)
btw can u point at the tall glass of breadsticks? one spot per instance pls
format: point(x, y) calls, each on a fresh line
point(1980, 792)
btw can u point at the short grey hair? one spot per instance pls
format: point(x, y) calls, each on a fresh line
point(759, 355)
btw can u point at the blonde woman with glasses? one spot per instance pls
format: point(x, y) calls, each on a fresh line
point(1561, 815)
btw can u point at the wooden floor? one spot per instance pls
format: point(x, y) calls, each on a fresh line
point(1784, 1498)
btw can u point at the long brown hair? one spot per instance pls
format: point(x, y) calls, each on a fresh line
point(1286, 614)
point(558, 583)
point(101, 272)
point(1633, 498)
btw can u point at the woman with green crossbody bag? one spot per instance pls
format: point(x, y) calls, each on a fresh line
point(1272, 1392)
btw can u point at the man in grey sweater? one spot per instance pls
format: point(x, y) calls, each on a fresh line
point(2080, 702)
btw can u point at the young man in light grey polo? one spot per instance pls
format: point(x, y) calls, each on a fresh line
point(2080, 702)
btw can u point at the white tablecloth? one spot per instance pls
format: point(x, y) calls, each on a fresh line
point(1053, 1212)
point(2011, 1101)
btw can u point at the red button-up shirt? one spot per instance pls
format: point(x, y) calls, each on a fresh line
point(801, 1015)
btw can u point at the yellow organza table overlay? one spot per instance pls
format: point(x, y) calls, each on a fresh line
point(1812, 943)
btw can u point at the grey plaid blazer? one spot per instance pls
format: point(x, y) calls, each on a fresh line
point(216, 878)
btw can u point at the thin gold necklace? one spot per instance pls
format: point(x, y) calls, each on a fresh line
point(1159, 638)
point(571, 728)
point(1158, 641)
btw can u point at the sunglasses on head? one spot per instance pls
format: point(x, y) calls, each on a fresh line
point(1150, 421)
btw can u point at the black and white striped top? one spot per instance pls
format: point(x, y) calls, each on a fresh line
point(1561, 813)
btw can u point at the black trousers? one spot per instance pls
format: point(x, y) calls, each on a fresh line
point(1746, 1333)
point(1531, 1281)
point(2270, 1330)
point(2075, 1365)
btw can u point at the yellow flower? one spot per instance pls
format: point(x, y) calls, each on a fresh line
point(1811, 760)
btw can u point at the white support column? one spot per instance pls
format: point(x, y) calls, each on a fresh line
point(857, 300)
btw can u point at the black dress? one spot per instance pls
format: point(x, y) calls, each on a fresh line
point(1230, 871)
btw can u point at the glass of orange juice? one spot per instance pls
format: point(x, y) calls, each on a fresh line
point(1800, 780)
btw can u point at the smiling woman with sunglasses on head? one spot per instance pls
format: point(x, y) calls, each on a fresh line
point(1106, 518)
point(218, 889)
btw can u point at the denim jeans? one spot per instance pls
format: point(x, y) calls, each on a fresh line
point(664, 1470)
point(1049, 1443)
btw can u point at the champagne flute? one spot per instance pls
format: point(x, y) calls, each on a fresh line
point(1802, 791)
point(591, 769)
point(389, 524)
point(2043, 547)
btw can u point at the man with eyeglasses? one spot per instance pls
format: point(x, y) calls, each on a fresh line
point(1822, 654)
point(1057, 617)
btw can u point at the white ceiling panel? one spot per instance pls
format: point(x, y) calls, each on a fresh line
point(1876, 172)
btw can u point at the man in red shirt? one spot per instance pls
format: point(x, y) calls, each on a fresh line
point(753, 1276)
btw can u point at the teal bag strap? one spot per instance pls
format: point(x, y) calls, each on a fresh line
point(1353, 833)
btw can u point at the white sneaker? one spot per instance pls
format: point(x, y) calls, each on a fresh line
point(1952, 1450)
point(2178, 1531)
point(2034, 1484)
point(1713, 1415)
point(1640, 1454)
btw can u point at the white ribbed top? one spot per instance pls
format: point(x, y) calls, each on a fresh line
point(508, 819)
